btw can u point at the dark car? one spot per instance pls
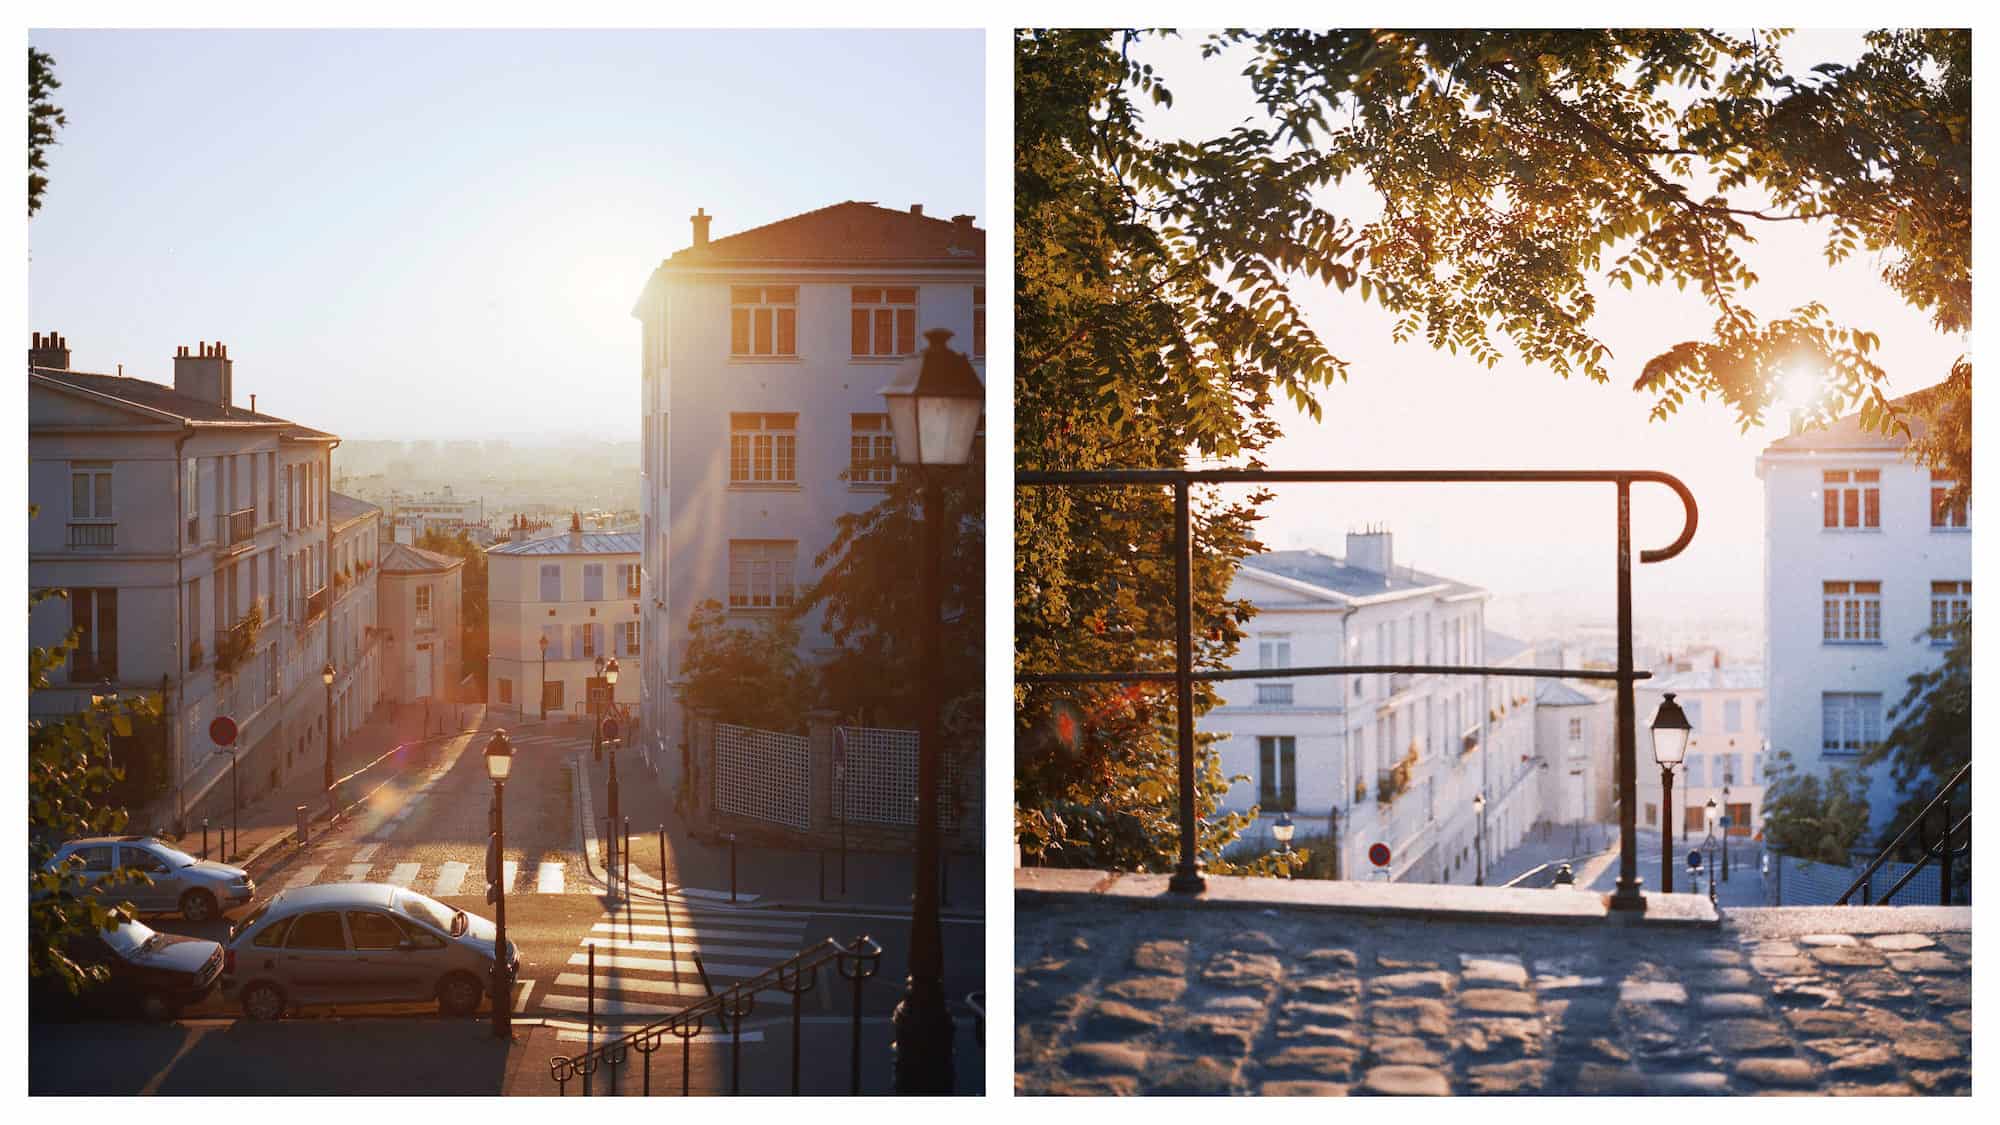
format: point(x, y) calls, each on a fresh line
point(151, 974)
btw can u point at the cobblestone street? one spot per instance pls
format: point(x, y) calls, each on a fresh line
point(1117, 997)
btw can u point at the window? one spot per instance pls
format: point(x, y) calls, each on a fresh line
point(1275, 694)
point(871, 449)
point(1274, 650)
point(593, 582)
point(551, 582)
point(1942, 515)
point(318, 930)
point(553, 635)
point(884, 320)
point(505, 687)
point(1692, 708)
point(423, 607)
point(93, 615)
point(373, 931)
point(628, 579)
point(631, 630)
point(760, 572)
point(1576, 730)
point(95, 859)
point(1277, 773)
point(1732, 715)
point(1851, 612)
point(1652, 814)
point(1851, 497)
point(273, 935)
point(764, 320)
point(1726, 768)
point(588, 635)
point(89, 490)
point(763, 449)
point(133, 856)
point(979, 322)
point(1950, 601)
point(1694, 818)
point(1850, 722)
point(1697, 771)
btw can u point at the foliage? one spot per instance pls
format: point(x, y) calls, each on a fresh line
point(70, 773)
point(236, 645)
point(44, 118)
point(1812, 817)
point(473, 614)
point(868, 589)
point(746, 676)
point(1932, 737)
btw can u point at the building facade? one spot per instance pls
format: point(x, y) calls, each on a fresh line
point(1395, 759)
point(581, 593)
point(1861, 560)
point(762, 360)
point(354, 645)
point(1577, 735)
point(177, 523)
point(417, 602)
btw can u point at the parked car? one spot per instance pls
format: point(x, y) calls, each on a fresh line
point(196, 889)
point(152, 974)
point(359, 943)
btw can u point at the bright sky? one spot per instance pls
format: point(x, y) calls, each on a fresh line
point(1407, 406)
point(441, 234)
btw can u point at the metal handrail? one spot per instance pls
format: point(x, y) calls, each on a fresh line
point(857, 962)
point(1941, 851)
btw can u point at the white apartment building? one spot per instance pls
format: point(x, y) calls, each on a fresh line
point(1725, 761)
point(580, 593)
point(419, 602)
point(1577, 732)
point(1861, 559)
point(1370, 758)
point(354, 647)
point(190, 533)
point(762, 360)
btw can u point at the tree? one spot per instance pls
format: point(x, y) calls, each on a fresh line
point(746, 676)
point(1932, 738)
point(70, 775)
point(1812, 817)
point(44, 118)
point(473, 612)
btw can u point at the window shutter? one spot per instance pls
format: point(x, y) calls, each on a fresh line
point(1288, 772)
point(1267, 766)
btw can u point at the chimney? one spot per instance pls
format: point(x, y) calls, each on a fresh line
point(1371, 550)
point(917, 210)
point(963, 223)
point(205, 375)
point(700, 219)
point(519, 532)
point(49, 350)
point(576, 531)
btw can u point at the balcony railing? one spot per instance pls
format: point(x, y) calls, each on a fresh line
point(93, 536)
point(89, 668)
point(315, 604)
point(235, 529)
point(193, 530)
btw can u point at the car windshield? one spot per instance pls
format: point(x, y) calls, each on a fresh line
point(173, 856)
point(128, 938)
point(431, 912)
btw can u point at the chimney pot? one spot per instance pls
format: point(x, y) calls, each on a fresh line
point(700, 219)
point(917, 209)
point(48, 349)
point(964, 221)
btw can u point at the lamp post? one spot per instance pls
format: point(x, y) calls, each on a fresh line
point(1479, 839)
point(1726, 826)
point(1708, 845)
point(542, 705)
point(1282, 833)
point(499, 763)
point(934, 405)
point(1670, 741)
point(326, 677)
point(610, 674)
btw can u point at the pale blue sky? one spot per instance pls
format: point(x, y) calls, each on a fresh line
point(441, 233)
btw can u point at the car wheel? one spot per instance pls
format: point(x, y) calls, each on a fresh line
point(198, 906)
point(157, 1008)
point(263, 1001)
point(459, 994)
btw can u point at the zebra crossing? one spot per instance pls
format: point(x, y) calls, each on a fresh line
point(645, 959)
point(440, 880)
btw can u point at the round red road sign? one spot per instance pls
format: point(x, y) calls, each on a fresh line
point(222, 731)
point(1378, 854)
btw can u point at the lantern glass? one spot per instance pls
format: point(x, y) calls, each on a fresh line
point(326, 674)
point(499, 756)
point(1670, 732)
point(611, 672)
point(1283, 830)
point(934, 405)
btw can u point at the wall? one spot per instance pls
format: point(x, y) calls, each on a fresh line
point(517, 614)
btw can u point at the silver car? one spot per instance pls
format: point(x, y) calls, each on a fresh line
point(359, 943)
point(196, 889)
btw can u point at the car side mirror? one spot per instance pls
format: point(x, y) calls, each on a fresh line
point(406, 945)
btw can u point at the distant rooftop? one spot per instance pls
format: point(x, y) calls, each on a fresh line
point(1562, 693)
point(1847, 433)
point(1335, 576)
point(401, 558)
point(588, 543)
point(852, 231)
point(1729, 677)
point(1501, 648)
point(164, 399)
point(345, 509)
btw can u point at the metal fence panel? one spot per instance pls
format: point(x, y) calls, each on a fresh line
point(1799, 882)
point(881, 781)
point(763, 775)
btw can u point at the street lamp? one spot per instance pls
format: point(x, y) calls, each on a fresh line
point(543, 704)
point(934, 406)
point(1670, 742)
point(610, 674)
point(326, 677)
point(499, 763)
point(1282, 833)
point(1726, 826)
point(1479, 839)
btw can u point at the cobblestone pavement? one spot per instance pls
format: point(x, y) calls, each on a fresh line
point(1114, 998)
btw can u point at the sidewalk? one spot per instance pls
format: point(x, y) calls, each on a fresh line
point(778, 877)
point(1573, 844)
point(272, 818)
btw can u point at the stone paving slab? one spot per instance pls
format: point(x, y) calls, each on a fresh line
point(1279, 998)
